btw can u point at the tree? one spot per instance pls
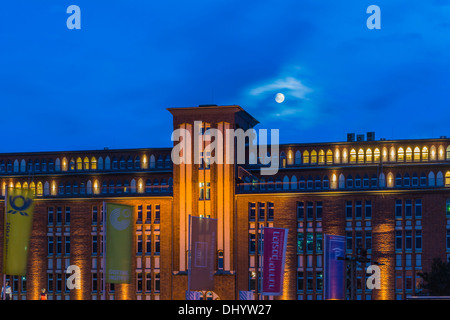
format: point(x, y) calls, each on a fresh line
point(437, 281)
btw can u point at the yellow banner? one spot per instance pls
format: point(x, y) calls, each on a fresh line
point(19, 219)
point(119, 242)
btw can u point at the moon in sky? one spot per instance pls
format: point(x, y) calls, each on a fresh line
point(279, 97)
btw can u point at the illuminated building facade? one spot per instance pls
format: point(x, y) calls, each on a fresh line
point(389, 197)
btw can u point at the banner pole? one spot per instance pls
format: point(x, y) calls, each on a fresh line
point(189, 258)
point(104, 214)
point(4, 240)
point(262, 261)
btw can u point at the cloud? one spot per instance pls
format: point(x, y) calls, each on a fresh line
point(288, 86)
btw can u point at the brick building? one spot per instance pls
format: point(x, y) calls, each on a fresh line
point(389, 197)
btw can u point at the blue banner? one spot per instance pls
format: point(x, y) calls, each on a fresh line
point(334, 267)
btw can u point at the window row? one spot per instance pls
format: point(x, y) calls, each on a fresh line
point(360, 155)
point(347, 182)
point(107, 187)
point(260, 211)
point(86, 163)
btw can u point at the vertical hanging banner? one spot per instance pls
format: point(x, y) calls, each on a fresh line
point(19, 218)
point(119, 242)
point(274, 256)
point(203, 248)
point(334, 267)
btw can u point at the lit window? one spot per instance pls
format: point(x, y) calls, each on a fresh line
point(321, 157)
point(306, 157)
point(424, 154)
point(352, 156)
point(360, 156)
point(376, 155)
point(329, 157)
point(313, 157)
point(416, 154)
point(369, 155)
point(408, 154)
point(400, 154)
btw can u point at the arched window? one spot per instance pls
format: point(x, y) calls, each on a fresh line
point(408, 154)
point(374, 181)
point(140, 186)
point(93, 163)
point(278, 183)
point(294, 182)
point(349, 181)
point(306, 157)
point(155, 185)
point(290, 158)
point(353, 156)
point(283, 159)
point(130, 162)
point(286, 183)
point(392, 154)
point(309, 183)
point(369, 155)
point(68, 188)
point(100, 163)
point(82, 188)
point(16, 165)
point(341, 181)
point(18, 185)
point(406, 180)
point(301, 183)
point(424, 154)
point(423, 180)
point(398, 180)
point(298, 158)
point(329, 156)
point(321, 157)
point(23, 166)
point(152, 162)
point(89, 187)
point(33, 188)
point(400, 154)
point(137, 162)
point(382, 180)
point(86, 163)
point(431, 179)
point(390, 180)
point(115, 163)
point(439, 179)
point(415, 180)
point(119, 186)
point(333, 181)
point(337, 158)
point(447, 179)
point(318, 183)
point(46, 188)
point(104, 187)
point(148, 186)
point(122, 164)
point(325, 183)
point(416, 154)
point(441, 155)
point(112, 186)
point(79, 164)
point(366, 182)
point(133, 186)
point(360, 156)
point(313, 157)
point(448, 153)
point(432, 153)
point(357, 181)
point(75, 188)
point(39, 189)
point(170, 183)
point(376, 155)
point(344, 156)
point(107, 163)
point(159, 162)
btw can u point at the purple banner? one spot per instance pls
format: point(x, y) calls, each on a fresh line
point(334, 267)
point(274, 256)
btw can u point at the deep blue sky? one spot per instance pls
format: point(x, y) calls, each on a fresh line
point(109, 84)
